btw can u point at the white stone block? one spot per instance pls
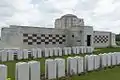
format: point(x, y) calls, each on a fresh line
point(10, 54)
point(96, 62)
point(81, 50)
point(77, 50)
point(80, 64)
point(50, 69)
point(25, 53)
point(69, 50)
point(109, 59)
point(34, 70)
point(60, 51)
point(71, 66)
point(55, 51)
point(84, 49)
point(85, 62)
point(118, 57)
point(74, 50)
point(103, 58)
point(88, 49)
point(22, 71)
point(91, 49)
point(34, 53)
point(65, 50)
point(113, 56)
point(46, 52)
point(51, 51)
point(19, 54)
point(3, 55)
point(60, 67)
point(90, 63)
point(39, 53)
point(3, 72)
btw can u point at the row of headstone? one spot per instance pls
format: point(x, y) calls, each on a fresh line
point(27, 71)
point(82, 49)
point(49, 52)
point(109, 59)
point(10, 55)
point(78, 65)
point(31, 70)
point(74, 65)
point(55, 68)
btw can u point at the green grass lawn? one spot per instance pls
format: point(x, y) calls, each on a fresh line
point(106, 50)
point(109, 74)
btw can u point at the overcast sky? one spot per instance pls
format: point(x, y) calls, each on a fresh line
point(101, 14)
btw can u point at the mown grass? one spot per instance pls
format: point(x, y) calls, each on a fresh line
point(109, 74)
point(106, 50)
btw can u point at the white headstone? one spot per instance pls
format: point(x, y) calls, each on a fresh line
point(113, 55)
point(50, 52)
point(109, 57)
point(88, 49)
point(65, 49)
point(81, 50)
point(55, 51)
point(60, 67)
point(25, 53)
point(85, 62)
point(80, 64)
point(22, 71)
point(34, 53)
point(3, 55)
point(118, 57)
point(69, 50)
point(50, 69)
point(39, 53)
point(90, 63)
point(34, 68)
point(77, 50)
point(91, 49)
point(19, 54)
point(71, 66)
point(96, 62)
point(74, 50)
point(46, 52)
point(84, 49)
point(60, 51)
point(10, 55)
point(3, 72)
point(103, 58)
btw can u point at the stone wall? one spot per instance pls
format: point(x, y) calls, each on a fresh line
point(104, 39)
point(36, 37)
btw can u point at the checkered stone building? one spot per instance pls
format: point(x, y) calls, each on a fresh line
point(45, 39)
point(101, 39)
point(69, 31)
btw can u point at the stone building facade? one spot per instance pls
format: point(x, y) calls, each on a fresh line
point(69, 31)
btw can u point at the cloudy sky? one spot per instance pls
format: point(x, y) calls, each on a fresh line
point(102, 14)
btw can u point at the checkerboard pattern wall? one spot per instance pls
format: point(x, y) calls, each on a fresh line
point(46, 39)
point(101, 39)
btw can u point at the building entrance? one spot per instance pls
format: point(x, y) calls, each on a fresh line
point(88, 40)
